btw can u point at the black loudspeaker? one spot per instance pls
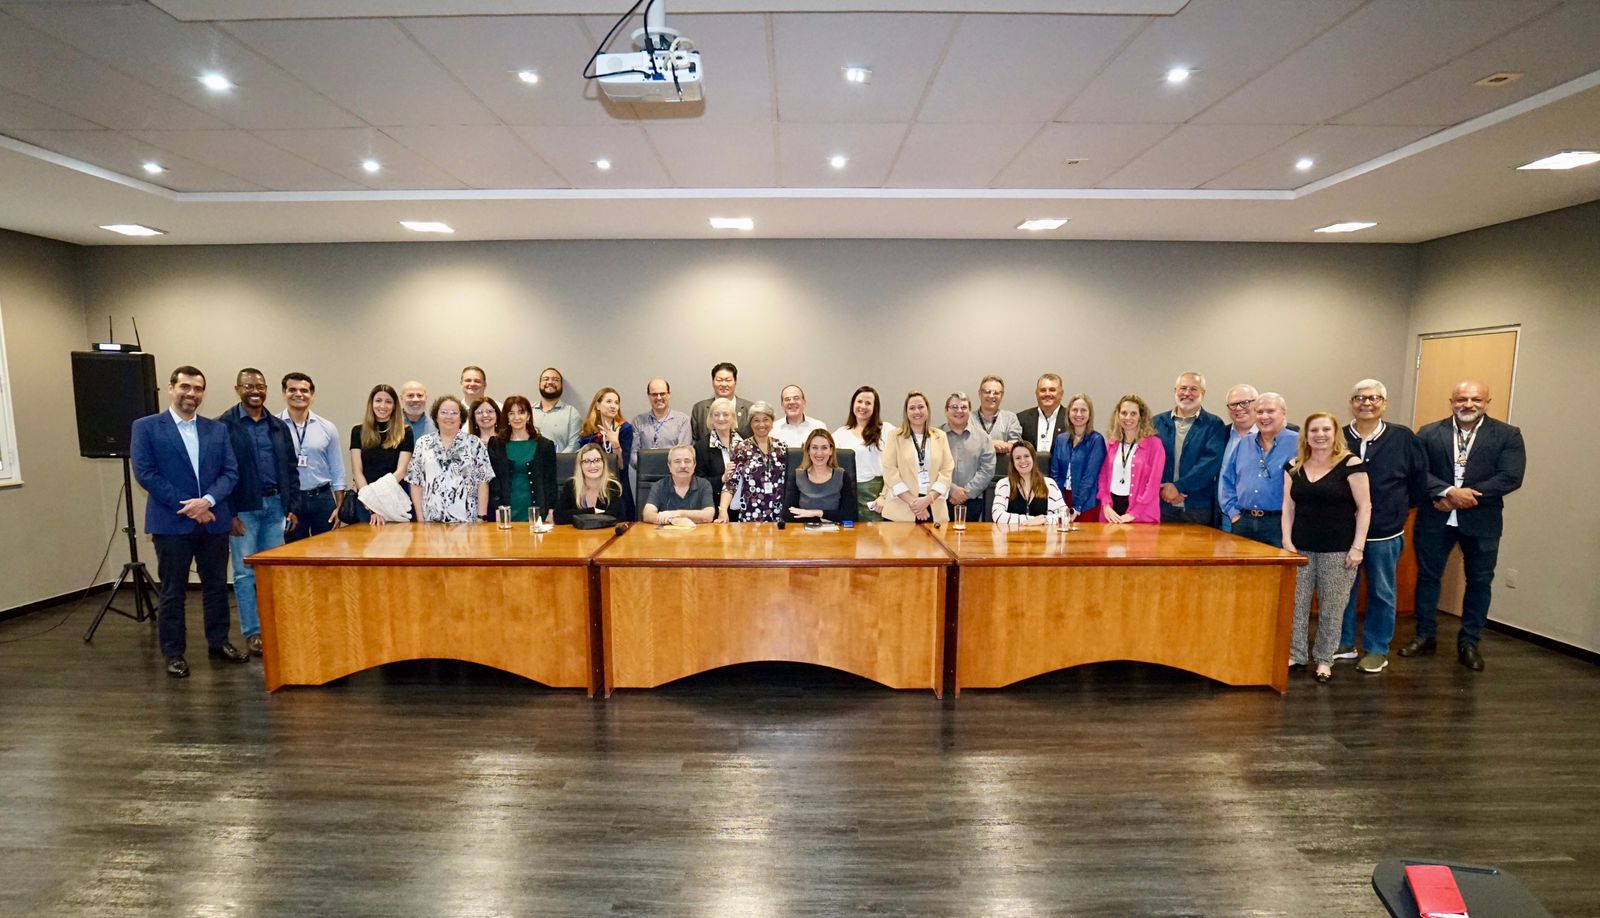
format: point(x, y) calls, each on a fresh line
point(111, 391)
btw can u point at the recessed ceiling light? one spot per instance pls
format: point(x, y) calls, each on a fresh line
point(858, 74)
point(528, 76)
point(602, 164)
point(1571, 159)
point(426, 226)
point(1179, 75)
point(370, 165)
point(1304, 163)
point(154, 168)
point(1348, 227)
point(133, 229)
point(1503, 78)
point(733, 223)
point(1039, 224)
point(838, 162)
point(215, 82)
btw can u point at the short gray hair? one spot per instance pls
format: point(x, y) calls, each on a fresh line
point(680, 446)
point(1383, 391)
point(761, 408)
point(722, 403)
point(1198, 377)
point(956, 396)
point(1282, 402)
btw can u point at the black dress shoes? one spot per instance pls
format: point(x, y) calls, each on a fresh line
point(230, 653)
point(177, 668)
point(1420, 646)
point(1469, 657)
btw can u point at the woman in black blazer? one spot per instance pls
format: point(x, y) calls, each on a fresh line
point(713, 453)
point(819, 489)
point(592, 488)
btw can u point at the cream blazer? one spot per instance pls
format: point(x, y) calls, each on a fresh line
point(900, 466)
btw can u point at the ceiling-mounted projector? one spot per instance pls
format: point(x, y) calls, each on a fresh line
point(664, 67)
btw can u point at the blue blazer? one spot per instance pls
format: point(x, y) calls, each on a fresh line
point(1084, 463)
point(1202, 455)
point(161, 466)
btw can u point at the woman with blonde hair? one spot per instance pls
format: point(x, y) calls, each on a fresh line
point(917, 465)
point(1327, 505)
point(1076, 458)
point(592, 488)
point(820, 488)
point(1026, 496)
point(604, 427)
point(380, 445)
point(1130, 477)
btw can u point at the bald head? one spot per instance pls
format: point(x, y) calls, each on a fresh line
point(1468, 402)
point(414, 400)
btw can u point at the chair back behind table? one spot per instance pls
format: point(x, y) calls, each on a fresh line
point(651, 468)
point(1002, 468)
point(846, 457)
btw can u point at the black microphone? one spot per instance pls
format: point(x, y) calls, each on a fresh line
point(621, 528)
point(782, 524)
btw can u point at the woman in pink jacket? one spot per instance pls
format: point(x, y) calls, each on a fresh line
point(1130, 479)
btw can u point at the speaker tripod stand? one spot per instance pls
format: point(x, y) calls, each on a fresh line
point(134, 575)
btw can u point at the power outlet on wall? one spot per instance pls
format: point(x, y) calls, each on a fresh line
point(1511, 578)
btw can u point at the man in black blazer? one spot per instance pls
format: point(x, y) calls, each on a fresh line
point(1041, 423)
point(1473, 462)
point(724, 382)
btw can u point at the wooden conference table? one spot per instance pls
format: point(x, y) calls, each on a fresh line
point(1032, 600)
point(353, 598)
point(875, 601)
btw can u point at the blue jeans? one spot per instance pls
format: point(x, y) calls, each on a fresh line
point(315, 508)
point(1379, 564)
point(263, 529)
point(1268, 529)
point(1478, 556)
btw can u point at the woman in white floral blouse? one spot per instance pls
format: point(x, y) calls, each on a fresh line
point(758, 471)
point(450, 470)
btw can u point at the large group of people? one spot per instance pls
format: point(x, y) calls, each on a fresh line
point(1339, 496)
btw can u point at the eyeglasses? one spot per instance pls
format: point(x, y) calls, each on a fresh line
point(593, 461)
point(1240, 406)
point(1366, 399)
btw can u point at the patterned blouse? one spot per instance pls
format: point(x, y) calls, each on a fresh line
point(449, 478)
point(758, 477)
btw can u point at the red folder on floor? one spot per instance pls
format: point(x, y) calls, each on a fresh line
point(1434, 888)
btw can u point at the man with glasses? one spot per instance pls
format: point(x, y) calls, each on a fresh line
point(661, 427)
point(1194, 439)
point(999, 425)
point(974, 454)
point(1395, 473)
point(556, 419)
point(1242, 423)
point(1252, 484)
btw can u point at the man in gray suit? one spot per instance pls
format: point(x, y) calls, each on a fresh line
point(1473, 462)
point(724, 380)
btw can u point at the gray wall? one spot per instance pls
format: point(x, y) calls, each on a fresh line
point(53, 527)
point(1542, 273)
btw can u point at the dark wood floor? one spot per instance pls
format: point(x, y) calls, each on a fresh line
point(445, 789)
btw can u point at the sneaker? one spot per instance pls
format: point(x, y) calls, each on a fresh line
point(1345, 653)
point(1372, 663)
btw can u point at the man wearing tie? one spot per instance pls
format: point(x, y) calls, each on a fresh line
point(1473, 462)
point(187, 466)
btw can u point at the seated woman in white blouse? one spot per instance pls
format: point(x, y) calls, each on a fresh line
point(1026, 496)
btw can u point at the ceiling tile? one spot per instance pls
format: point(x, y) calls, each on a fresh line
point(716, 155)
point(480, 156)
point(572, 152)
point(125, 155)
point(1381, 46)
point(341, 151)
point(1227, 41)
point(1197, 153)
point(369, 66)
point(38, 66)
point(956, 156)
point(1332, 148)
point(169, 55)
point(1103, 149)
point(804, 151)
point(1021, 68)
point(20, 113)
point(1562, 45)
point(812, 51)
point(242, 153)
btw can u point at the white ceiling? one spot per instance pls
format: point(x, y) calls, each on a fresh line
point(965, 129)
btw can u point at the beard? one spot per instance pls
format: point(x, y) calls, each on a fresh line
point(1468, 417)
point(552, 392)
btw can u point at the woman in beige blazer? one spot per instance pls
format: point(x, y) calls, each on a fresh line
point(917, 465)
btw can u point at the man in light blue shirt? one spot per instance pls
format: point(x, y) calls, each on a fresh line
point(1252, 482)
point(317, 456)
point(414, 405)
point(556, 420)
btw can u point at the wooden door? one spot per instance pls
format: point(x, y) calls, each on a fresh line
point(1444, 359)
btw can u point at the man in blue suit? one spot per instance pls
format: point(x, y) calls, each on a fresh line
point(1195, 441)
point(186, 465)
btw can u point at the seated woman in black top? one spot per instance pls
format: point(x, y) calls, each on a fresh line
point(820, 489)
point(524, 464)
point(1327, 505)
point(380, 445)
point(593, 489)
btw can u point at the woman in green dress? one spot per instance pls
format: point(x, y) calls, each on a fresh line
point(524, 464)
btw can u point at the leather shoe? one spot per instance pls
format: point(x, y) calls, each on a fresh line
point(1470, 658)
point(230, 653)
point(177, 668)
point(252, 644)
point(1420, 646)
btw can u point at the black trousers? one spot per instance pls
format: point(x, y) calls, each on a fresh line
point(1190, 512)
point(209, 554)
